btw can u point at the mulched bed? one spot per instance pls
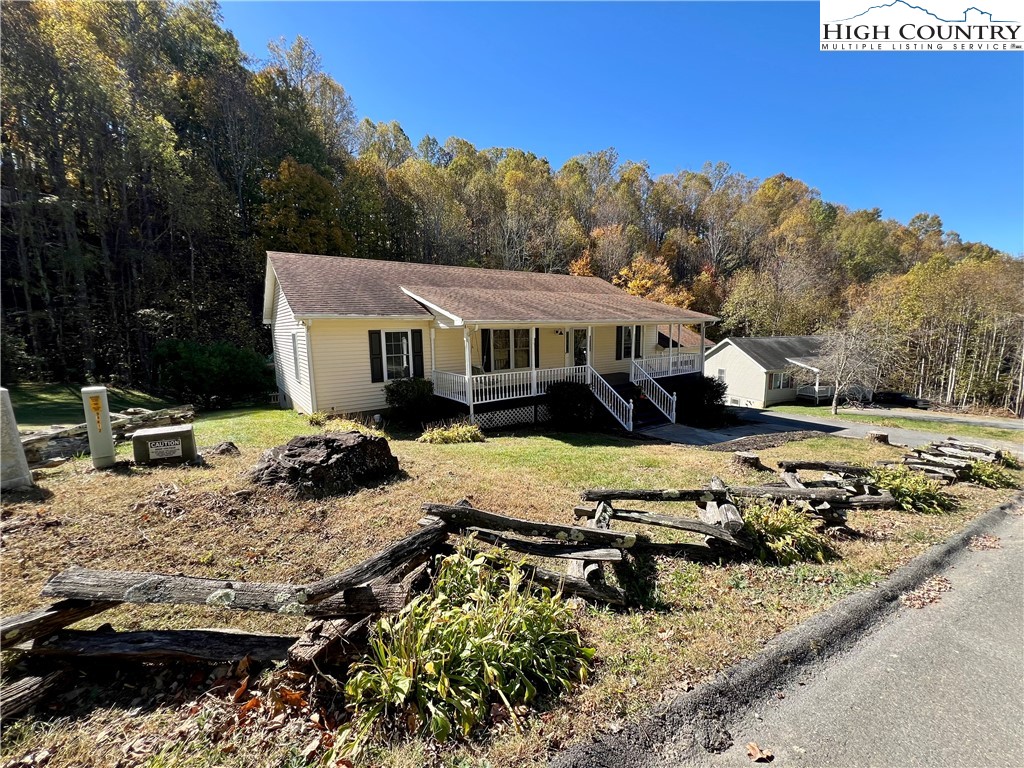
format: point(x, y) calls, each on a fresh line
point(762, 442)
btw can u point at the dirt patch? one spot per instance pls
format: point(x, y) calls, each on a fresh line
point(762, 442)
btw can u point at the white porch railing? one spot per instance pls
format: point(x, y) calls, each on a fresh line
point(815, 392)
point(612, 400)
point(510, 385)
point(450, 385)
point(657, 394)
point(504, 385)
point(669, 364)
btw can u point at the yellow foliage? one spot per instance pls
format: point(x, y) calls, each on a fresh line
point(650, 279)
point(583, 266)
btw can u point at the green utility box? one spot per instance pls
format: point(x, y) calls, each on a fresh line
point(165, 445)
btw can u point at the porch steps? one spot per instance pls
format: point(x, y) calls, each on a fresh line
point(645, 413)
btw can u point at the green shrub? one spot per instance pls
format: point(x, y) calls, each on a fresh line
point(912, 491)
point(700, 400)
point(989, 475)
point(1009, 461)
point(571, 405)
point(317, 418)
point(476, 639)
point(783, 533)
point(216, 375)
point(459, 432)
point(410, 400)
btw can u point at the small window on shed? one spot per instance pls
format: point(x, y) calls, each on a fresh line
point(295, 354)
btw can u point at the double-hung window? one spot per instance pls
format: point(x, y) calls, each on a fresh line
point(397, 354)
point(510, 348)
point(628, 341)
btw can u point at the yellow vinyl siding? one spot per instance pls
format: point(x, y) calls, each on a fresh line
point(341, 362)
point(282, 325)
point(604, 351)
point(450, 353)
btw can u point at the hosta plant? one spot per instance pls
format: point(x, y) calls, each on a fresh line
point(480, 637)
point(783, 533)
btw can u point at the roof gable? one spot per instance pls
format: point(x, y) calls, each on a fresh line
point(775, 353)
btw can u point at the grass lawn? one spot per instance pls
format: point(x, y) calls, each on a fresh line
point(701, 618)
point(882, 419)
point(43, 405)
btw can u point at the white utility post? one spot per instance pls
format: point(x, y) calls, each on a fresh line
point(14, 471)
point(97, 422)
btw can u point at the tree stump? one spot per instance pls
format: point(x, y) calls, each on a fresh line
point(747, 460)
point(878, 437)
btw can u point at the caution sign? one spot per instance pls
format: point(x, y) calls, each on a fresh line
point(96, 406)
point(164, 449)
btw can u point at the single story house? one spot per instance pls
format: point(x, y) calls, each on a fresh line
point(763, 371)
point(490, 340)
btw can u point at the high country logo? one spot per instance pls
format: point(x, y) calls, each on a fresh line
point(900, 25)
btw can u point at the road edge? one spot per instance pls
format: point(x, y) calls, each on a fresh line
point(699, 720)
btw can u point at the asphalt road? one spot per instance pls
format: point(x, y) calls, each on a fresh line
point(941, 685)
point(757, 422)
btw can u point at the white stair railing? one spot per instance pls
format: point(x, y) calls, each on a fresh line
point(654, 392)
point(612, 400)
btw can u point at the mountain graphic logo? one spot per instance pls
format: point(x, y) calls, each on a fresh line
point(904, 5)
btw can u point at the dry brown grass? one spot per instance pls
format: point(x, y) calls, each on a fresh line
point(700, 620)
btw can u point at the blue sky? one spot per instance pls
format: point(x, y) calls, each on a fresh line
point(678, 84)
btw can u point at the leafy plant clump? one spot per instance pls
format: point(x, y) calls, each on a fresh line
point(459, 432)
point(571, 405)
point(1009, 461)
point(989, 475)
point(912, 491)
point(784, 534)
point(410, 399)
point(317, 418)
point(478, 642)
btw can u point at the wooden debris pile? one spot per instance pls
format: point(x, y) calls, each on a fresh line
point(950, 460)
point(45, 449)
point(340, 608)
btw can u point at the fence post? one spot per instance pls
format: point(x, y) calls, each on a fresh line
point(673, 407)
point(629, 427)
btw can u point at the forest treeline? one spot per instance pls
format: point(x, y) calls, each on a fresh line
point(148, 164)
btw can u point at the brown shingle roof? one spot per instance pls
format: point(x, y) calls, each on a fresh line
point(682, 335)
point(339, 286)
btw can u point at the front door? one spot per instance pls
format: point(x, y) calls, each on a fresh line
point(579, 346)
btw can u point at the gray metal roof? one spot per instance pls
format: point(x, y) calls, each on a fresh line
point(776, 353)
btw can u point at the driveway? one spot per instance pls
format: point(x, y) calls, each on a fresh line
point(757, 422)
point(941, 685)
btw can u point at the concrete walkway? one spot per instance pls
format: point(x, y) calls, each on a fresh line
point(767, 422)
point(941, 685)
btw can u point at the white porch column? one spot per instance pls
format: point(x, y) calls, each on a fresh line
point(433, 356)
point(467, 343)
point(817, 383)
point(701, 349)
point(533, 360)
point(590, 351)
point(673, 350)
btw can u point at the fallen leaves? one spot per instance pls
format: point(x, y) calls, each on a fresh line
point(757, 754)
point(983, 542)
point(928, 593)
